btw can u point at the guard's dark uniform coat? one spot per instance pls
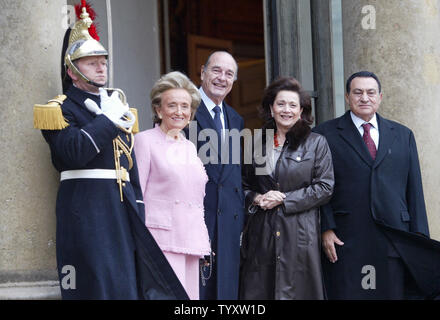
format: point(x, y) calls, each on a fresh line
point(378, 211)
point(224, 205)
point(113, 254)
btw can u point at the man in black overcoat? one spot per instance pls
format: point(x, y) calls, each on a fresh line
point(375, 232)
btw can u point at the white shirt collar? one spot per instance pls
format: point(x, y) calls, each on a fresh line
point(358, 122)
point(208, 102)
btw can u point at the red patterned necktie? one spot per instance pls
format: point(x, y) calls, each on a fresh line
point(368, 141)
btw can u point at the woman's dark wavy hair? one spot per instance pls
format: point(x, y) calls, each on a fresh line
point(285, 84)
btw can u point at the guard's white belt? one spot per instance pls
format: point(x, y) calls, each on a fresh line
point(94, 174)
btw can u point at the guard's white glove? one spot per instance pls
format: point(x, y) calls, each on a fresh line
point(113, 108)
point(129, 122)
point(92, 106)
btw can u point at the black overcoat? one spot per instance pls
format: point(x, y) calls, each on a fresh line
point(105, 240)
point(377, 208)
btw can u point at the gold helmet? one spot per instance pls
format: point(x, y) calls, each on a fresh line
point(82, 44)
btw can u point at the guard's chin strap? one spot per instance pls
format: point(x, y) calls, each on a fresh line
point(75, 70)
point(79, 73)
point(95, 84)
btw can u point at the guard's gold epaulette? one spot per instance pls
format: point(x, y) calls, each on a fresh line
point(136, 124)
point(49, 116)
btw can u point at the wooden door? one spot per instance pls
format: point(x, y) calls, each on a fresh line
point(245, 96)
point(247, 92)
point(199, 49)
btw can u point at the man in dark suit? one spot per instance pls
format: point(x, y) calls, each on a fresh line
point(375, 229)
point(224, 198)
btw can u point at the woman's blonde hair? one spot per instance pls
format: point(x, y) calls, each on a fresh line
point(173, 80)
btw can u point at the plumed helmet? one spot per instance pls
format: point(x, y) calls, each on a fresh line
point(82, 44)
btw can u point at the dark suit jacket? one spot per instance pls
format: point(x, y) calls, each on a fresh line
point(372, 197)
point(224, 205)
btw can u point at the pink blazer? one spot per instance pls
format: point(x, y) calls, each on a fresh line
point(173, 180)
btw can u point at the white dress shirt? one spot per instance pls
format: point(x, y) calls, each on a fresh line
point(210, 105)
point(374, 130)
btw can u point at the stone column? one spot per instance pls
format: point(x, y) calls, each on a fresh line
point(31, 34)
point(399, 41)
point(282, 38)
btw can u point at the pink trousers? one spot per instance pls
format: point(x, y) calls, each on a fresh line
point(186, 267)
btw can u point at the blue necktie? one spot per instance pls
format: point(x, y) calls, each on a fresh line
point(218, 121)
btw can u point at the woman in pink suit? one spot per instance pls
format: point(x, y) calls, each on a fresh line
point(173, 179)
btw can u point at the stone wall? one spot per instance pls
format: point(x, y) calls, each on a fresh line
point(30, 58)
